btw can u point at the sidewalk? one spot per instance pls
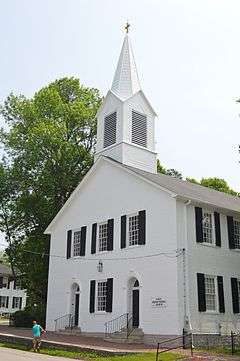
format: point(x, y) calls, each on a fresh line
point(93, 343)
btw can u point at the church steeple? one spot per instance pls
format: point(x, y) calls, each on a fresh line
point(125, 129)
point(126, 82)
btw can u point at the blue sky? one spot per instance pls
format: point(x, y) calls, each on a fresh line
point(188, 58)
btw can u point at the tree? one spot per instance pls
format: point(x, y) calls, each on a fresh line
point(48, 149)
point(172, 172)
point(215, 183)
point(160, 168)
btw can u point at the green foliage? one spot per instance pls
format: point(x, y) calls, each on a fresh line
point(88, 355)
point(160, 168)
point(48, 148)
point(215, 183)
point(24, 318)
point(172, 172)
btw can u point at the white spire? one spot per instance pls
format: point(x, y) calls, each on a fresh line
point(125, 82)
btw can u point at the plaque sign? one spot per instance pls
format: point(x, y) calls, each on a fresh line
point(158, 302)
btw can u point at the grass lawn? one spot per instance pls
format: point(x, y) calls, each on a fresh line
point(221, 351)
point(150, 356)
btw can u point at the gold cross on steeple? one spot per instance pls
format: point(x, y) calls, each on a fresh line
point(127, 27)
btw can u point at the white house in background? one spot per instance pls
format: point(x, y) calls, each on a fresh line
point(133, 244)
point(12, 297)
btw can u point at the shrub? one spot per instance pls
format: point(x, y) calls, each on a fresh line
point(24, 318)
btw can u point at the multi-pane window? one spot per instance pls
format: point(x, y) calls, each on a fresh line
point(236, 231)
point(139, 129)
point(133, 230)
point(102, 296)
point(102, 236)
point(4, 301)
point(210, 292)
point(76, 243)
point(110, 130)
point(16, 302)
point(207, 224)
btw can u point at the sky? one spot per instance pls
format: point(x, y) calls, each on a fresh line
point(188, 59)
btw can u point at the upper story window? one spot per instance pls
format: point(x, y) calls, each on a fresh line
point(207, 224)
point(236, 231)
point(110, 129)
point(101, 296)
point(139, 129)
point(133, 230)
point(103, 237)
point(76, 243)
point(210, 292)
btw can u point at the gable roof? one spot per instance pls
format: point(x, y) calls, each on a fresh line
point(191, 191)
point(174, 186)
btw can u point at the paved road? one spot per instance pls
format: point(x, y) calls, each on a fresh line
point(7, 354)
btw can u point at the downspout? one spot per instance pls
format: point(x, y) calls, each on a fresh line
point(187, 318)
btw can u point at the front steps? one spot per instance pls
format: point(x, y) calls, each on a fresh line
point(76, 331)
point(136, 336)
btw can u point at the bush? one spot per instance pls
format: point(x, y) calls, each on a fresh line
point(25, 318)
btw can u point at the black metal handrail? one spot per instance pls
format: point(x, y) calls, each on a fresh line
point(121, 323)
point(183, 345)
point(64, 322)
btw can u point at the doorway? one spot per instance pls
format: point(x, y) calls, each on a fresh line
point(75, 304)
point(134, 294)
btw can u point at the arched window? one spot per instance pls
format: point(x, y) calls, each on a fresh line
point(139, 128)
point(136, 284)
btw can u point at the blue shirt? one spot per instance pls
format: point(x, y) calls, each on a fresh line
point(36, 330)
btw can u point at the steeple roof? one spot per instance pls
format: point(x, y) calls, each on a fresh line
point(125, 82)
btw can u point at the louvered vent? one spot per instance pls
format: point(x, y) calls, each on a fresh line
point(110, 125)
point(139, 128)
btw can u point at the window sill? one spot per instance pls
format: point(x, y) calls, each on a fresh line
point(134, 246)
point(77, 257)
point(234, 249)
point(100, 313)
point(208, 245)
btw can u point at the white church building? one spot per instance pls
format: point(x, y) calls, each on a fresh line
point(134, 247)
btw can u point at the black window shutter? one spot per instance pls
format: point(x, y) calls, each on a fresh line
point(69, 243)
point(110, 231)
point(14, 284)
point(199, 226)
point(220, 294)
point(142, 227)
point(13, 301)
point(83, 241)
point(92, 296)
point(230, 232)
point(123, 231)
point(20, 304)
point(94, 238)
point(7, 302)
point(235, 296)
point(109, 295)
point(1, 282)
point(201, 292)
point(217, 229)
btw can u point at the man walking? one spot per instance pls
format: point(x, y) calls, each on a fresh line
point(37, 331)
